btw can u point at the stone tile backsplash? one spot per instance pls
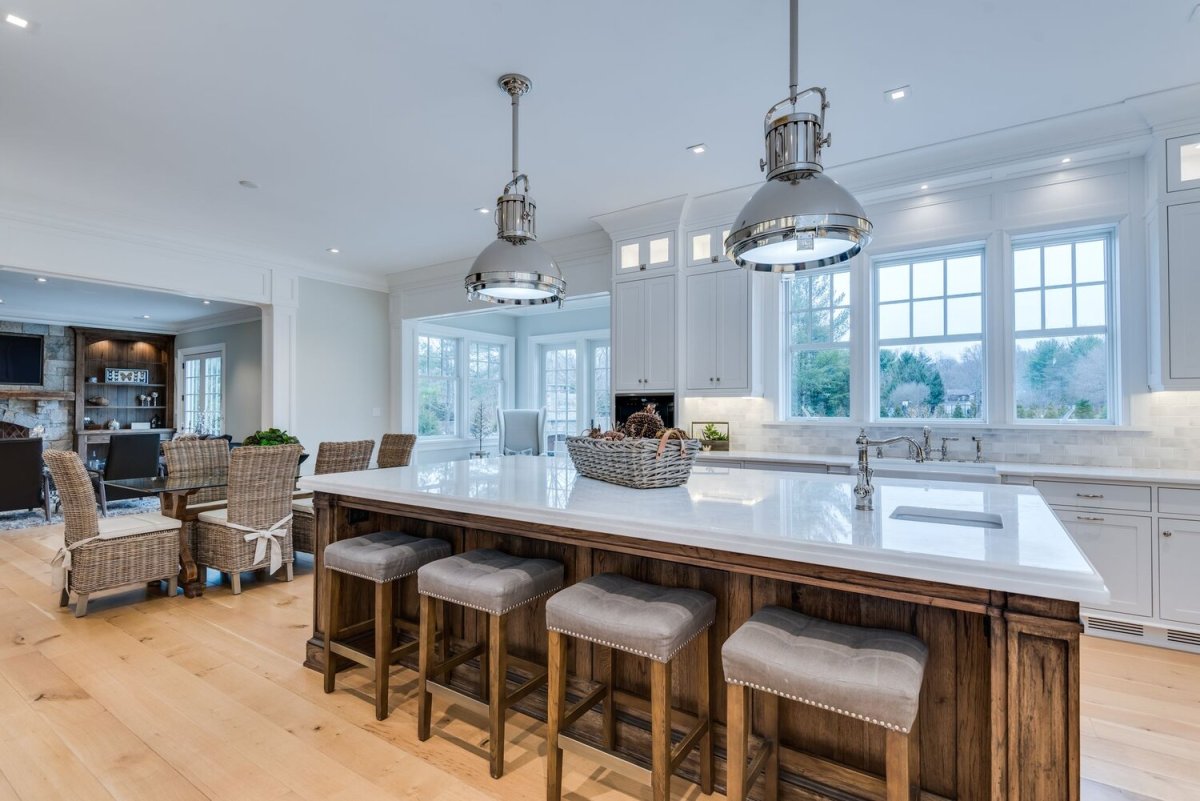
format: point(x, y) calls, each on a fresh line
point(1166, 435)
point(57, 418)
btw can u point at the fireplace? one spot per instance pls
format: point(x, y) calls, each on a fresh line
point(13, 431)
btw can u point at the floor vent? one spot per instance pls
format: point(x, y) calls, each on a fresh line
point(1116, 627)
point(1183, 637)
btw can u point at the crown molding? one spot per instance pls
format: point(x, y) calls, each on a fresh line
point(248, 314)
point(88, 321)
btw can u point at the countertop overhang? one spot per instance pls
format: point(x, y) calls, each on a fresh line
point(798, 517)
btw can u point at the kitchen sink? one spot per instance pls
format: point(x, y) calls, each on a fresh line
point(936, 471)
point(948, 517)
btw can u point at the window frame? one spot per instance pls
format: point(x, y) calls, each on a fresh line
point(584, 343)
point(788, 349)
point(465, 338)
point(201, 352)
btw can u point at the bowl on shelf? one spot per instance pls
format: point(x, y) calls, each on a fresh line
point(97, 400)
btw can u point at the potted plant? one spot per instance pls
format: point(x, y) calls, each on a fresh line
point(713, 438)
point(272, 436)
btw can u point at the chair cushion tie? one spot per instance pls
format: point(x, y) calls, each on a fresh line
point(261, 537)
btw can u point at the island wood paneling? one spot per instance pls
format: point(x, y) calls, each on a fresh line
point(999, 709)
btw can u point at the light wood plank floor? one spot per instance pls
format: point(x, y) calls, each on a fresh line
point(206, 699)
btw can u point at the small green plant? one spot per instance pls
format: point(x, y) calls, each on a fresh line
point(713, 434)
point(272, 436)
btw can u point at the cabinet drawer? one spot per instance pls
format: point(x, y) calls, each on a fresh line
point(1179, 501)
point(1095, 496)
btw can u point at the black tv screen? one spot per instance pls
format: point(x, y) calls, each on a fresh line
point(20, 359)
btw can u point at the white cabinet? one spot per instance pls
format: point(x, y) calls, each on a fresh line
point(643, 335)
point(717, 347)
point(1178, 559)
point(1183, 163)
point(706, 246)
point(652, 252)
point(1121, 548)
point(1181, 294)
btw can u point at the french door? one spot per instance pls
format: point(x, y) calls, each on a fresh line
point(202, 391)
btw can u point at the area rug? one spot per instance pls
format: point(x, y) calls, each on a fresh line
point(12, 521)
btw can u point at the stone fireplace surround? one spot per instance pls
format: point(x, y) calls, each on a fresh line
point(53, 419)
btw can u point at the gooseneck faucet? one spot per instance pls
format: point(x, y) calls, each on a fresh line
point(864, 492)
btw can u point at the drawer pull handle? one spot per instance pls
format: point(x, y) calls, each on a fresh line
point(1093, 519)
point(1168, 533)
point(1088, 495)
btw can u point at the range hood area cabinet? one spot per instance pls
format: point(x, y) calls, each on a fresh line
point(643, 334)
point(718, 346)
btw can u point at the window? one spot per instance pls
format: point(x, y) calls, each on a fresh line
point(485, 386)
point(437, 386)
point(202, 393)
point(818, 344)
point(560, 389)
point(573, 381)
point(601, 415)
point(1062, 368)
point(929, 335)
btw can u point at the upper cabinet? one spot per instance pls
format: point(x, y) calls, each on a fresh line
point(1178, 287)
point(643, 335)
point(1183, 163)
point(643, 253)
point(707, 246)
point(717, 348)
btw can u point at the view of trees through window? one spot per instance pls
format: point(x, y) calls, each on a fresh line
point(819, 344)
point(437, 380)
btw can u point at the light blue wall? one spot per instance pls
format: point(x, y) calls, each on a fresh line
point(565, 321)
point(243, 371)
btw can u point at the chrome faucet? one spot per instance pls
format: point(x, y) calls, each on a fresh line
point(864, 492)
point(927, 435)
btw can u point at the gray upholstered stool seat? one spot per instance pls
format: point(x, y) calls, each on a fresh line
point(870, 674)
point(630, 615)
point(383, 555)
point(488, 580)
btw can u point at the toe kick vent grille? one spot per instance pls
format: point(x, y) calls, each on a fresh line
point(1183, 637)
point(1116, 626)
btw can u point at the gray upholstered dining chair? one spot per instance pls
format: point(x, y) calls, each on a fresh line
point(522, 431)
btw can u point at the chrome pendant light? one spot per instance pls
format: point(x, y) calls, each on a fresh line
point(515, 269)
point(800, 218)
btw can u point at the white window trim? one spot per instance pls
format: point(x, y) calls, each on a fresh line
point(785, 347)
point(183, 354)
point(582, 341)
point(465, 337)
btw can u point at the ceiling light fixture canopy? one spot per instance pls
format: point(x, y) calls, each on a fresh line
point(800, 218)
point(515, 269)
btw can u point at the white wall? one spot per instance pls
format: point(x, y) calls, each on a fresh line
point(342, 357)
point(243, 371)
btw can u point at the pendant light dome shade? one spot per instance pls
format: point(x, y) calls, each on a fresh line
point(515, 269)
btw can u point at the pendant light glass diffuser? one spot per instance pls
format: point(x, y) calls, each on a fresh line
point(800, 218)
point(515, 269)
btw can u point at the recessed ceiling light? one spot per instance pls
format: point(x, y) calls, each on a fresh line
point(13, 19)
point(483, 210)
point(697, 148)
point(332, 250)
point(924, 186)
point(247, 184)
point(145, 317)
point(899, 93)
point(41, 280)
point(1067, 160)
point(207, 302)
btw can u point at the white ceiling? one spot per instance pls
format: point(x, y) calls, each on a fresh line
point(375, 126)
point(68, 302)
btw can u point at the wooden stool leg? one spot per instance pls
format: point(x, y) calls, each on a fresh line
point(428, 635)
point(497, 650)
point(660, 730)
point(609, 668)
point(484, 681)
point(556, 701)
point(704, 712)
point(896, 760)
point(770, 710)
point(737, 733)
point(331, 581)
point(383, 646)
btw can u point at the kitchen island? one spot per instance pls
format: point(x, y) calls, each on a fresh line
point(984, 574)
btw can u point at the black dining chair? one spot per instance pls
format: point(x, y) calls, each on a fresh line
point(23, 482)
point(129, 456)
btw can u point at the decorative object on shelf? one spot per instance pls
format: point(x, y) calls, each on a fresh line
point(271, 436)
point(154, 398)
point(482, 425)
point(800, 218)
point(156, 422)
point(97, 400)
point(641, 463)
point(515, 269)
point(113, 425)
point(646, 423)
point(712, 436)
point(126, 375)
point(93, 379)
point(139, 426)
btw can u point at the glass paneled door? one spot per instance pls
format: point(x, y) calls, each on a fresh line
point(202, 391)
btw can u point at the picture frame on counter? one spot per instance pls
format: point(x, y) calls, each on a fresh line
point(713, 436)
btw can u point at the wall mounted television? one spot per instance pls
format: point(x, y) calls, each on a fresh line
point(21, 359)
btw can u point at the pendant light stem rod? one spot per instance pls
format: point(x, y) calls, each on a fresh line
point(794, 41)
point(516, 133)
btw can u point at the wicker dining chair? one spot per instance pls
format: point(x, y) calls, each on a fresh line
point(99, 554)
point(395, 450)
point(255, 530)
point(332, 457)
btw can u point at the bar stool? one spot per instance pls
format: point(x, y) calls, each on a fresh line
point(488, 581)
point(874, 675)
point(382, 557)
point(647, 620)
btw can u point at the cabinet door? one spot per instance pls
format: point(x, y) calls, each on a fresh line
point(628, 336)
point(659, 343)
point(1183, 280)
point(733, 330)
point(702, 331)
point(1121, 548)
point(1178, 556)
point(653, 252)
point(707, 246)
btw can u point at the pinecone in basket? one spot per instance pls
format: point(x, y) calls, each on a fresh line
point(646, 423)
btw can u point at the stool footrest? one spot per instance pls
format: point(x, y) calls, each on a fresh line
point(684, 746)
point(528, 686)
point(458, 659)
point(595, 696)
point(758, 764)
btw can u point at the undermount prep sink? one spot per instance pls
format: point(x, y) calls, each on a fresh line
point(936, 471)
point(948, 517)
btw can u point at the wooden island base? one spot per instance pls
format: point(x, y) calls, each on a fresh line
point(999, 715)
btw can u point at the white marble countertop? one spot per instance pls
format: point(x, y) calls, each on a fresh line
point(797, 517)
point(1025, 470)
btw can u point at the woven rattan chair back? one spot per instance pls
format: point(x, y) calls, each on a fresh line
point(344, 457)
point(76, 493)
point(395, 450)
point(261, 482)
point(198, 457)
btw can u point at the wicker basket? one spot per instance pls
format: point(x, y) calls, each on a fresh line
point(634, 462)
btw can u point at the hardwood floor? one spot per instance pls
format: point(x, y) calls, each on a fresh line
point(206, 699)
